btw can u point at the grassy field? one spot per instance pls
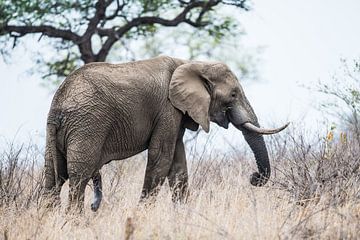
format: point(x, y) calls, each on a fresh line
point(314, 193)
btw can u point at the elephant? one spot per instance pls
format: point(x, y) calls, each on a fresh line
point(103, 112)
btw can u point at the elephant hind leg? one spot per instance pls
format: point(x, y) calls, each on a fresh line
point(82, 161)
point(97, 182)
point(76, 194)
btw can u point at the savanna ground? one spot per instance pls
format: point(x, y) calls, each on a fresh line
point(314, 193)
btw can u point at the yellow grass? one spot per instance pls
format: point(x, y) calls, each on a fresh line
point(222, 205)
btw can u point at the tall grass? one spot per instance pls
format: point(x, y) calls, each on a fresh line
point(314, 192)
point(20, 181)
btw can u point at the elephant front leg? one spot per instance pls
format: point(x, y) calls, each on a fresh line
point(160, 157)
point(157, 169)
point(178, 174)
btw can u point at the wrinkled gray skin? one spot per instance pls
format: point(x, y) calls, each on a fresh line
point(104, 112)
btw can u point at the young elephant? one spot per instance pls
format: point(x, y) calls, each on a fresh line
point(104, 112)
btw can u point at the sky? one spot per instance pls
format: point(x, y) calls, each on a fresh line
point(303, 42)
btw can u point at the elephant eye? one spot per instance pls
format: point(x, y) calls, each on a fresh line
point(233, 94)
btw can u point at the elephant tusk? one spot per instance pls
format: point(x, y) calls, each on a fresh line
point(251, 127)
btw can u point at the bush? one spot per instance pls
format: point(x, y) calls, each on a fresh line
point(326, 168)
point(20, 177)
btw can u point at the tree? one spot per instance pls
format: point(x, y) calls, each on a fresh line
point(83, 31)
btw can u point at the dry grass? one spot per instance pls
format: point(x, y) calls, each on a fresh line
point(314, 193)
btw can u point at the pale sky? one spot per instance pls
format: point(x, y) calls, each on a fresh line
point(303, 40)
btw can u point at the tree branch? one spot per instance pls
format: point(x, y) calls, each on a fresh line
point(237, 3)
point(114, 35)
point(119, 7)
point(100, 7)
point(46, 30)
point(85, 46)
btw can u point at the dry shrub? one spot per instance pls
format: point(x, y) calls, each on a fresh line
point(322, 167)
point(20, 175)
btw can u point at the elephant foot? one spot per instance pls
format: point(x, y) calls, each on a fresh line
point(95, 205)
point(147, 200)
point(97, 191)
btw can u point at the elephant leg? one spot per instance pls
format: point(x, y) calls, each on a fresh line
point(178, 174)
point(157, 168)
point(97, 182)
point(160, 156)
point(82, 163)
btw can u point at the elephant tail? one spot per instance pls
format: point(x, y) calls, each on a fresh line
point(55, 162)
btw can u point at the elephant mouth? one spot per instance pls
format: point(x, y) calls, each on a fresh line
point(225, 123)
point(221, 119)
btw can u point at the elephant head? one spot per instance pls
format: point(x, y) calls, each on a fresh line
point(211, 92)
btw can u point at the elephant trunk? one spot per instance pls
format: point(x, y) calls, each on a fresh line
point(257, 145)
point(239, 116)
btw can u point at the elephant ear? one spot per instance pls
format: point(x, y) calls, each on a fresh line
point(189, 92)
